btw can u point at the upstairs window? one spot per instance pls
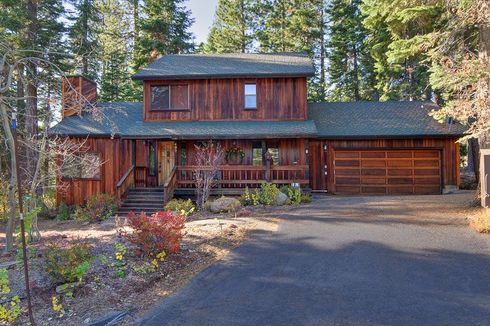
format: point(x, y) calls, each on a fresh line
point(250, 96)
point(169, 97)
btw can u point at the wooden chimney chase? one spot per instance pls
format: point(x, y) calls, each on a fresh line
point(78, 93)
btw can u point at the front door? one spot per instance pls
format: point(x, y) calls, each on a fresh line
point(166, 160)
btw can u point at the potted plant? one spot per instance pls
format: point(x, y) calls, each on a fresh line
point(234, 155)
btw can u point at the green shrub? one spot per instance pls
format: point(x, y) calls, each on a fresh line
point(267, 194)
point(306, 198)
point(294, 194)
point(63, 212)
point(98, 208)
point(10, 309)
point(249, 199)
point(181, 206)
point(68, 265)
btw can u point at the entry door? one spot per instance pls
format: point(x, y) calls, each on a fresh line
point(166, 160)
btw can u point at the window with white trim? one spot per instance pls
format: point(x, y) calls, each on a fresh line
point(250, 96)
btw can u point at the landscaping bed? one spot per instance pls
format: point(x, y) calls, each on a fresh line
point(104, 290)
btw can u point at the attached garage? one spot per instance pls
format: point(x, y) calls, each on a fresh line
point(387, 148)
point(387, 172)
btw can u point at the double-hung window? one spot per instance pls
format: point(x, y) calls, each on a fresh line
point(250, 96)
point(169, 97)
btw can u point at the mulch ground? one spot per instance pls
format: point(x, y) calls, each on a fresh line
point(207, 239)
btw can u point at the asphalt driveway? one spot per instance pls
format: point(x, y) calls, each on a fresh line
point(348, 261)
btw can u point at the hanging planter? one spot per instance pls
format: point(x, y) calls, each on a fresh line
point(234, 155)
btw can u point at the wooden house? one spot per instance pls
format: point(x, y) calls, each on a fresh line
point(257, 105)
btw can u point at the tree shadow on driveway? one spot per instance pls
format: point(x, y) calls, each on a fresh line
point(302, 279)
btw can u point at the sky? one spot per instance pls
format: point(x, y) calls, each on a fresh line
point(203, 12)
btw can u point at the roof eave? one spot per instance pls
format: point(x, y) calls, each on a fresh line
point(347, 137)
point(220, 76)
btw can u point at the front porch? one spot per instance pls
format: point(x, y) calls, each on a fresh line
point(169, 165)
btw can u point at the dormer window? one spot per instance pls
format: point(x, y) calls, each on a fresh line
point(250, 96)
point(169, 97)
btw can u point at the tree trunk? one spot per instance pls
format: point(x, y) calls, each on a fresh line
point(357, 96)
point(136, 19)
point(9, 231)
point(323, 55)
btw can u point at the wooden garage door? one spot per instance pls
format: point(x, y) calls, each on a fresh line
point(387, 172)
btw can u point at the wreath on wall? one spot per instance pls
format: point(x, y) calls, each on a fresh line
point(234, 154)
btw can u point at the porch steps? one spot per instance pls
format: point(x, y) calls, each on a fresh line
point(148, 200)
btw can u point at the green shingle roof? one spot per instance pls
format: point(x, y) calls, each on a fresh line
point(231, 65)
point(379, 120)
point(327, 120)
point(126, 120)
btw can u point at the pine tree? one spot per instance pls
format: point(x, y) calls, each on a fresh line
point(114, 51)
point(288, 25)
point(84, 35)
point(350, 62)
point(232, 29)
point(163, 30)
point(400, 33)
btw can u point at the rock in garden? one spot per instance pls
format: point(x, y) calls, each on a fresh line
point(281, 199)
point(224, 204)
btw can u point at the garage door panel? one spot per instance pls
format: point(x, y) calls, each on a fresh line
point(399, 154)
point(427, 190)
point(426, 154)
point(426, 163)
point(399, 163)
point(345, 163)
point(400, 181)
point(427, 180)
point(401, 190)
point(347, 181)
point(379, 172)
point(347, 172)
point(348, 190)
point(373, 154)
point(400, 172)
point(373, 181)
point(373, 172)
point(348, 154)
point(371, 190)
point(426, 172)
point(373, 163)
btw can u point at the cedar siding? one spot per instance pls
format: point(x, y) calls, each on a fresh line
point(223, 99)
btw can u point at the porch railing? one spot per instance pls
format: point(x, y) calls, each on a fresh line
point(125, 183)
point(169, 185)
point(241, 176)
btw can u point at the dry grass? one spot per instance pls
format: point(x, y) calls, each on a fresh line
point(481, 221)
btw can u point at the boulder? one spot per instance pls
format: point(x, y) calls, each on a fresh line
point(224, 204)
point(281, 199)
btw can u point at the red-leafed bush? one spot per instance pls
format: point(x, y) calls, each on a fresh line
point(159, 232)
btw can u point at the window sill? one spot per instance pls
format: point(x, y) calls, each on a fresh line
point(250, 109)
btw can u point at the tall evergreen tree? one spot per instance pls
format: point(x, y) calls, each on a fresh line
point(350, 63)
point(164, 29)
point(287, 25)
point(84, 34)
point(399, 43)
point(232, 29)
point(115, 50)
